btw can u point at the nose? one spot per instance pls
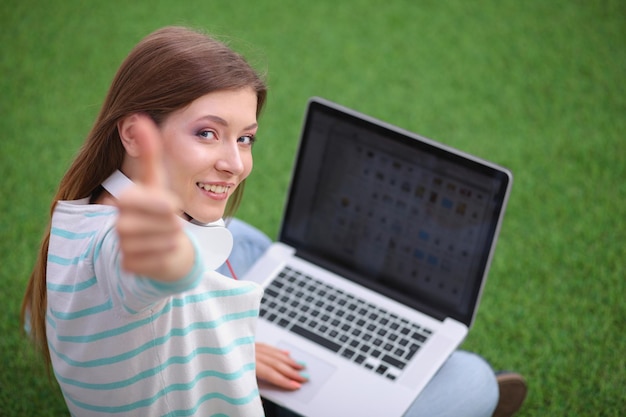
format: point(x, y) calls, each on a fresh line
point(229, 158)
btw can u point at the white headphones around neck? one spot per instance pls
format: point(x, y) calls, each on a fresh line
point(215, 240)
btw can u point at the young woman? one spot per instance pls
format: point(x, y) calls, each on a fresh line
point(124, 301)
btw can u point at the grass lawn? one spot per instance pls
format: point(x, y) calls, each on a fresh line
point(537, 86)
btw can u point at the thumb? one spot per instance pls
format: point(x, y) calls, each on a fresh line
point(151, 172)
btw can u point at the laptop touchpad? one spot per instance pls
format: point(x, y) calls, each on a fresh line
point(318, 370)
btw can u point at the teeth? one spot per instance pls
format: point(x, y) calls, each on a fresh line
point(219, 189)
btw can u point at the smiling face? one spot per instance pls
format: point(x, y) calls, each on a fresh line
point(207, 150)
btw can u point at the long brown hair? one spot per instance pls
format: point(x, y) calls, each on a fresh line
point(165, 72)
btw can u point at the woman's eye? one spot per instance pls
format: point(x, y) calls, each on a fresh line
point(247, 140)
point(206, 134)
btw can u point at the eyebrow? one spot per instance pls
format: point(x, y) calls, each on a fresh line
point(223, 122)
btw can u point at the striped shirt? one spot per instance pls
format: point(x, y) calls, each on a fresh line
point(131, 346)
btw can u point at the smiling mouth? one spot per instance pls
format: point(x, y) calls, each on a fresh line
point(217, 189)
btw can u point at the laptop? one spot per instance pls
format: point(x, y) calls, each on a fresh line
point(381, 259)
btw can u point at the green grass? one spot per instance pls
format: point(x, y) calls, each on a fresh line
point(537, 86)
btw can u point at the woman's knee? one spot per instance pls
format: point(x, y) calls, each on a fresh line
point(249, 243)
point(465, 385)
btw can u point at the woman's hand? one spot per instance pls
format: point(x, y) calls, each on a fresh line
point(275, 366)
point(152, 238)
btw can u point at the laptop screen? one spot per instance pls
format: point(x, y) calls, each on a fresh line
point(395, 212)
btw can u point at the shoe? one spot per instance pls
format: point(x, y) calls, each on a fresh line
point(513, 391)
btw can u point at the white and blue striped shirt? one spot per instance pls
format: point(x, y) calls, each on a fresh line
point(131, 346)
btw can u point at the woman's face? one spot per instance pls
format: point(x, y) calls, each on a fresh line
point(207, 150)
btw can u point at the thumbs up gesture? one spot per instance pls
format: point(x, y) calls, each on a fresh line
point(152, 239)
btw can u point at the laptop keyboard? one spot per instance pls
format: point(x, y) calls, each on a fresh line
point(353, 328)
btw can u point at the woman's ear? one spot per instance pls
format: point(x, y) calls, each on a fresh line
point(126, 128)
